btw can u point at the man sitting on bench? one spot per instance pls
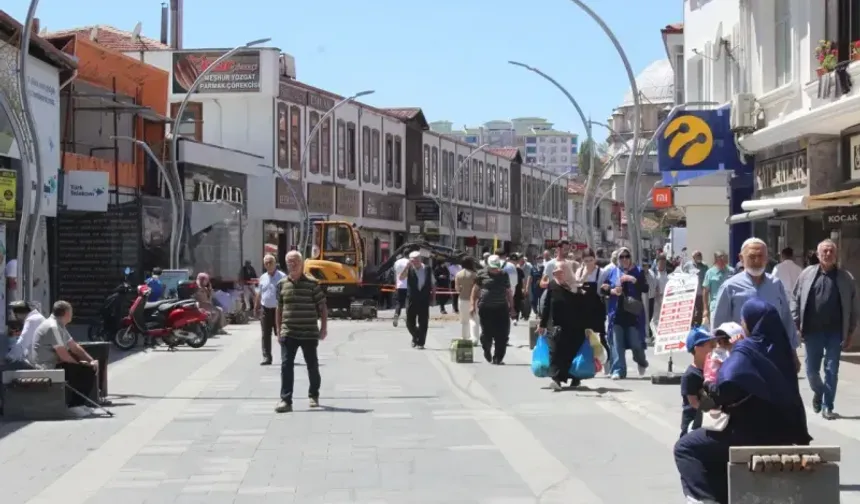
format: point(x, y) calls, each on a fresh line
point(54, 348)
point(25, 321)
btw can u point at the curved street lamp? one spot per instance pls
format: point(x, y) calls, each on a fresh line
point(631, 163)
point(586, 123)
point(175, 199)
point(304, 231)
point(29, 219)
point(176, 238)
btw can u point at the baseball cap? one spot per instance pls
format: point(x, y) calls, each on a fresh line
point(414, 254)
point(494, 262)
point(696, 337)
point(728, 330)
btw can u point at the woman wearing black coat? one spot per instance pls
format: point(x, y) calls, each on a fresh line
point(564, 306)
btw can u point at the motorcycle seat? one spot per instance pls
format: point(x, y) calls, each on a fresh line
point(156, 304)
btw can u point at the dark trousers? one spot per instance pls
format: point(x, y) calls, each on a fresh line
point(417, 316)
point(651, 316)
point(698, 311)
point(518, 305)
point(82, 378)
point(455, 302)
point(401, 301)
point(564, 345)
point(702, 457)
point(495, 330)
point(289, 349)
point(267, 324)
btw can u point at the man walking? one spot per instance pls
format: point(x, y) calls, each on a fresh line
point(787, 271)
point(249, 274)
point(697, 267)
point(714, 279)
point(421, 288)
point(266, 304)
point(399, 267)
point(301, 307)
point(754, 282)
point(824, 306)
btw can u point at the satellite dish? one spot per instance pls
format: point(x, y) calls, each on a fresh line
point(135, 34)
point(94, 33)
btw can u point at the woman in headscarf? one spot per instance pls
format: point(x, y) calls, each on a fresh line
point(204, 298)
point(625, 284)
point(757, 390)
point(593, 309)
point(564, 306)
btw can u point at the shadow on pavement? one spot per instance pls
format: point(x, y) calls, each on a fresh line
point(334, 409)
point(245, 398)
point(597, 390)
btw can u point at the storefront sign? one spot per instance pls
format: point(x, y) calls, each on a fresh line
point(321, 198)
point(426, 210)
point(210, 185)
point(492, 222)
point(346, 202)
point(86, 191)
point(661, 197)
point(301, 96)
point(285, 195)
point(841, 217)
point(479, 221)
point(383, 206)
point(8, 189)
point(782, 174)
point(239, 73)
point(854, 156)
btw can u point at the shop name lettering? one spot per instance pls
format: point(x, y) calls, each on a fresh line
point(45, 93)
point(209, 192)
point(782, 172)
point(78, 190)
point(843, 219)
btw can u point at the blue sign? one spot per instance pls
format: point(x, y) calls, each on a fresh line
point(698, 140)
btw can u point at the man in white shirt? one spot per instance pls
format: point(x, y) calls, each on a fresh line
point(399, 267)
point(484, 259)
point(19, 356)
point(787, 271)
point(453, 269)
point(510, 268)
point(267, 302)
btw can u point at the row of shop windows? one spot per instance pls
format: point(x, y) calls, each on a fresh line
point(494, 190)
point(374, 153)
point(534, 188)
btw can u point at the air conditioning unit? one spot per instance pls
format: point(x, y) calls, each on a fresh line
point(287, 66)
point(742, 119)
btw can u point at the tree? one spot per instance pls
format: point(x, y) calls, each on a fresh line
point(585, 157)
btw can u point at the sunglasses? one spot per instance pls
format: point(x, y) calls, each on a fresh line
point(624, 256)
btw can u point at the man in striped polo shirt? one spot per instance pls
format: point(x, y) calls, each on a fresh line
point(301, 304)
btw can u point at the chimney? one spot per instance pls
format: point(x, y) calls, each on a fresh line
point(180, 14)
point(173, 25)
point(35, 26)
point(165, 19)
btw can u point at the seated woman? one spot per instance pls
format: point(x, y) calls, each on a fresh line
point(757, 389)
point(204, 297)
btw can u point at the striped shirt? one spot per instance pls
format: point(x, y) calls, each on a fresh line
point(300, 303)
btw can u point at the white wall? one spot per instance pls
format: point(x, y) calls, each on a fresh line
point(706, 209)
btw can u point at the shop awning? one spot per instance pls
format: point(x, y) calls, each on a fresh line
point(794, 206)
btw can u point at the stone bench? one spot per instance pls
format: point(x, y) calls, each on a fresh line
point(38, 394)
point(782, 474)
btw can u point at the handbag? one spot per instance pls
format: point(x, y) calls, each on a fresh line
point(717, 420)
point(632, 305)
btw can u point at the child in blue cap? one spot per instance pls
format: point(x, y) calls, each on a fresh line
point(699, 343)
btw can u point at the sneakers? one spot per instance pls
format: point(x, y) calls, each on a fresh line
point(828, 414)
point(266, 362)
point(642, 370)
point(314, 402)
point(816, 403)
point(615, 377)
point(555, 386)
point(283, 407)
point(395, 321)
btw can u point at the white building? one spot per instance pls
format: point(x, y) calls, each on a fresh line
point(540, 143)
point(804, 121)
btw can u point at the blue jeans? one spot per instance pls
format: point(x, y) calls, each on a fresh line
point(826, 347)
point(623, 338)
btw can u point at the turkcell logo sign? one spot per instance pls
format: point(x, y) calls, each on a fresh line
point(700, 140)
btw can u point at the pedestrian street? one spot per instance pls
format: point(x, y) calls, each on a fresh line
point(397, 425)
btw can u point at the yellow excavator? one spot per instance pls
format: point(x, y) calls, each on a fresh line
point(337, 262)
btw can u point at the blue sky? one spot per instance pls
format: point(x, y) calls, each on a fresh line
point(459, 72)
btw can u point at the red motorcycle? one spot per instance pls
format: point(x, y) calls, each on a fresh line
point(173, 321)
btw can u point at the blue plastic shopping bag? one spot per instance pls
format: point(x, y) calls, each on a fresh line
point(583, 366)
point(540, 357)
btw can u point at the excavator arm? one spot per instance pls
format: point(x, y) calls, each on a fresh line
point(437, 253)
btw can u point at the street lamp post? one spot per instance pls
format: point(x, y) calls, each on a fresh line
point(29, 220)
point(174, 147)
point(588, 131)
point(634, 88)
point(306, 224)
point(590, 197)
point(175, 196)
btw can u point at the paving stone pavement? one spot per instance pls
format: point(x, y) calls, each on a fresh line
point(398, 425)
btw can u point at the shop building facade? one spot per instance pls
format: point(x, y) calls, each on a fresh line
point(542, 223)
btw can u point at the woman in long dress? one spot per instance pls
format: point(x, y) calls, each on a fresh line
point(564, 306)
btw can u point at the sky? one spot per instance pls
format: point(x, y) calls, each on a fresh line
point(448, 57)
